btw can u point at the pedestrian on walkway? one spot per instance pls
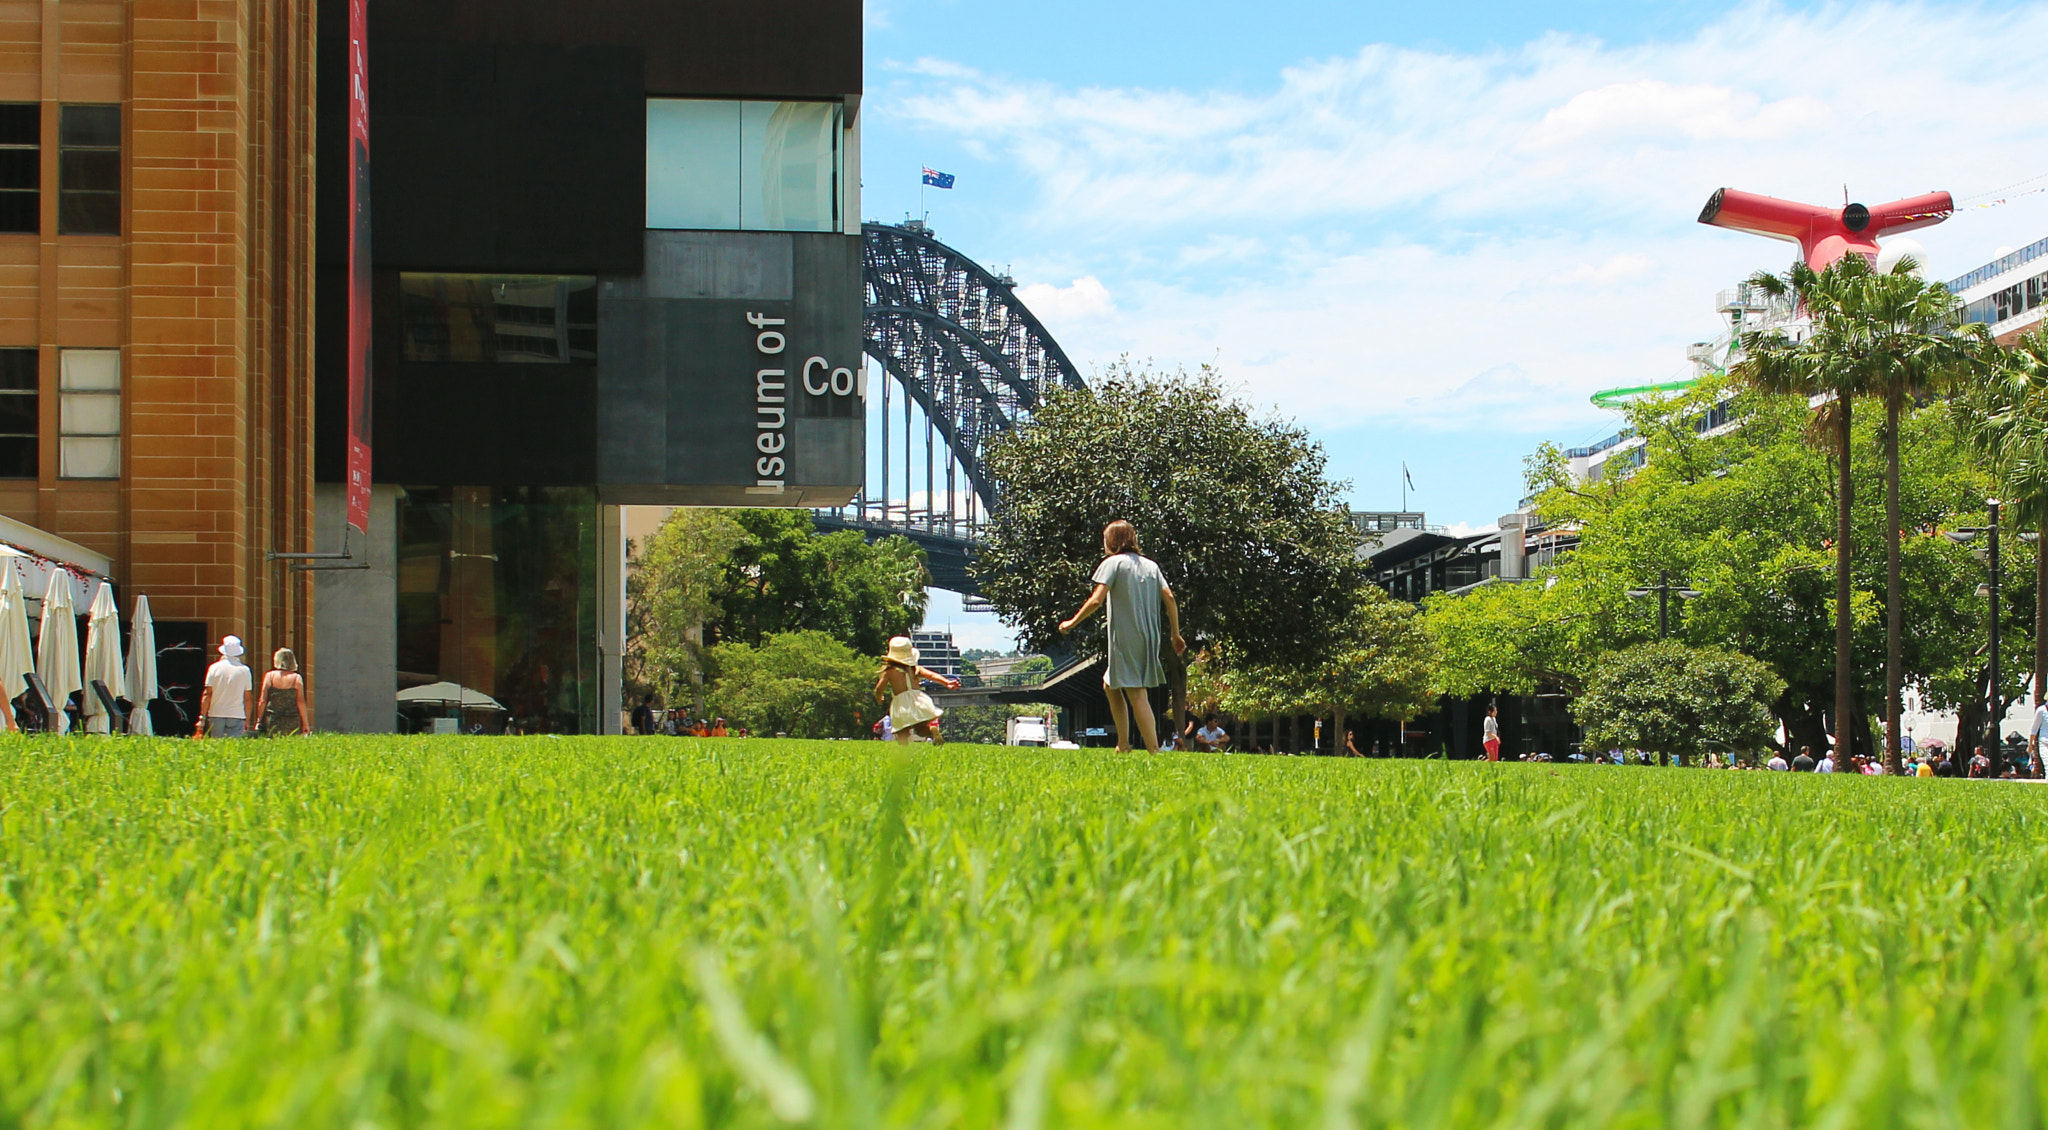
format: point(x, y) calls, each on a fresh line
point(1778, 764)
point(1136, 592)
point(281, 707)
point(1804, 763)
point(224, 704)
point(1490, 732)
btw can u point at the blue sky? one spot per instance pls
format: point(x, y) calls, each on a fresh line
point(1429, 232)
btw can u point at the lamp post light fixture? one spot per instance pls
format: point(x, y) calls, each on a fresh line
point(1989, 555)
point(1665, 590)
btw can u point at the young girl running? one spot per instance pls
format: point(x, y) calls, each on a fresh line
point(911, 711)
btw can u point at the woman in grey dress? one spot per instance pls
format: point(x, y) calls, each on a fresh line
point(1131, 584)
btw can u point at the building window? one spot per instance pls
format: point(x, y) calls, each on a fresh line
point(89, 414)
point(744, 166)
point(549, 319)
point(21, 167)
point(19, 423)
point(89, 171)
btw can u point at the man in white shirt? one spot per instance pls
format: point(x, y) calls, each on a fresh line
point(224, 704)
point(1778, 764)
point(1213, 737)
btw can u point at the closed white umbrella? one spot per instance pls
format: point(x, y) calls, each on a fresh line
point(141, 667)
point(103, 658)
point(17, 655)
point(57, 648)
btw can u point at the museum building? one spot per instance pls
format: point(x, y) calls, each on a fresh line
point(615, 259)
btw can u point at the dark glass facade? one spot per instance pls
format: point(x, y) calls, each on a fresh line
point(497, 594)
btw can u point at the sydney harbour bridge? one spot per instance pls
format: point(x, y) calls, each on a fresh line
point(961, 362)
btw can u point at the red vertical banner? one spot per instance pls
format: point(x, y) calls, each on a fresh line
point(358, 268)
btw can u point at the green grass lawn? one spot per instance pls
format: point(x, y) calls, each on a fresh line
point(392, 932)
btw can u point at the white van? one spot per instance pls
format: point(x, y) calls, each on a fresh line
point(1026, 731)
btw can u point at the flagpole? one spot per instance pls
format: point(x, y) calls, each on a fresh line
point(1404, 487)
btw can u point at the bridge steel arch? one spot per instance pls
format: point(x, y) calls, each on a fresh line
point(961, 345)
point(958, 340)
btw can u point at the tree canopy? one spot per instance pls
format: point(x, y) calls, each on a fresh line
point(1670, 699)
point(1234, 507)
point(1745, 517)
point(741, 576)
point(804, 684)
point(1381, 664)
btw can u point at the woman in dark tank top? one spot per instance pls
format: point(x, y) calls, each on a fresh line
point(282, 705)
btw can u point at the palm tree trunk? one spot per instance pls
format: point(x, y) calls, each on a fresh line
point(1894, 593)
point(1845, 676)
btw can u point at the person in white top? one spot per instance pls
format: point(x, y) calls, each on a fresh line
point(224, 704)
point(1778, 764)
point(2034, 735)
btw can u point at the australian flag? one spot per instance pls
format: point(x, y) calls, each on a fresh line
point(937, 179)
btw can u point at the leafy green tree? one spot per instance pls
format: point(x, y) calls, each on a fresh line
point(671, 594)
point(1234, 507)
point(805, 684)
point(782, 576)
point(1678, 701)
point(1744, 517)
point(1381, 664)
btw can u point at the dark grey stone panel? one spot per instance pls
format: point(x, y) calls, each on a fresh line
point(714, 264)
point(680, 407)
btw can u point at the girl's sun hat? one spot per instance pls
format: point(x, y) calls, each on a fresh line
point(900, 651)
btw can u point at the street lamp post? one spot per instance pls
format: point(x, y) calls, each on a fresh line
point(1996, 750)
point(1665, 590)
point(1993, 749)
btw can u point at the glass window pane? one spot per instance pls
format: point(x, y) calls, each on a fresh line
point(90, 414)
point(88, 213)
point(19, 211)
point(789, 165)
point(97, 169)
point(98, 126)
point(90, 369)
point(18, 414)
point(18, 457)
point(499, 318)
point(693, 164)
point(90, 457)
point(20, 168)
point(21, 123)
point(18, 369)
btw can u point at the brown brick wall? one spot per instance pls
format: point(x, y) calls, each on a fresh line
point(207, 295)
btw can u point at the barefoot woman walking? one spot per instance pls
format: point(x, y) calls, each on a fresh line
point(1136, 593)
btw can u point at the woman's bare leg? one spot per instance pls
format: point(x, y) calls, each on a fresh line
point(1117, 713)
point(1141, 710)
point(903, 737)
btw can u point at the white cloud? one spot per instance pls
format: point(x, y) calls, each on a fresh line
point(1086, 297)
point(1462, 241)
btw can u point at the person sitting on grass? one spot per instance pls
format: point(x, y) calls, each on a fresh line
point(911, 711)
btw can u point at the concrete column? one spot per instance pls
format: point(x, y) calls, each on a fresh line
point(353, 676)
point(1514, 553)
point(611, 620)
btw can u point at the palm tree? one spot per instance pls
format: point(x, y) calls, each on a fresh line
point(1894, 336)
point(2006, 418)
point(1823, 365)
point(1917, 347)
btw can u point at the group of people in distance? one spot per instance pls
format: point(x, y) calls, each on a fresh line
point(650, 719)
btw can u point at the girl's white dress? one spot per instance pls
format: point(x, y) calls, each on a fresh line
point(912, 708)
